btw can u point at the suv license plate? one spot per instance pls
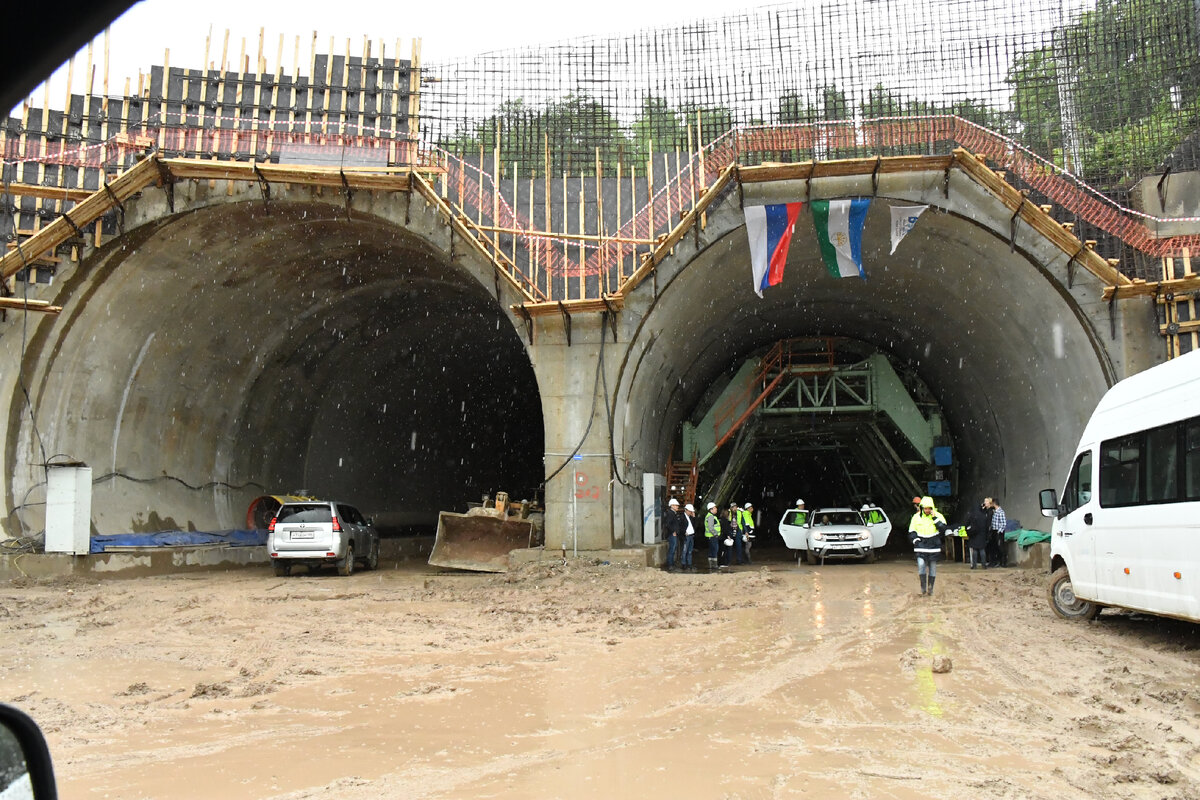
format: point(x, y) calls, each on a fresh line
point(302, 535)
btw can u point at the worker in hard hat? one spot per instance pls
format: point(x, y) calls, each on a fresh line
point(672, 529)
point(689, 538)
point(747, 527)
point(712, 534)
point(927, 532)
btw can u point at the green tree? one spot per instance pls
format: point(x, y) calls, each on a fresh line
point(880, 102)
point(573, 128)
point(657, 124)
point(1034, 108)
point(1118, 86)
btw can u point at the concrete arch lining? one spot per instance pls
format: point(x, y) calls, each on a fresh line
point(1014, 358)
point(234, 350)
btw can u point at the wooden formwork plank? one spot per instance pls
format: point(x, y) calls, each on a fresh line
point(84, 213)
point(1042, 222)
point(49, 192)
point(18, 304)
point(1153, 288)
point(394, 179)
point(612, 301)
point(842, 168)
point(426, 190)
point(689, 219)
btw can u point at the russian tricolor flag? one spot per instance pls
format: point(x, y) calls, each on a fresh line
point(770, 230)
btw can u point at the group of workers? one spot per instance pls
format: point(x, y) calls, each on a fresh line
point(728, 534)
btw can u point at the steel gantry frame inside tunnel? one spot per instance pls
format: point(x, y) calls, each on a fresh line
point(658, 358)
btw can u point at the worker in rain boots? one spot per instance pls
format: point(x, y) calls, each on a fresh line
point(712, 534)
point(979, 522)
point(747, 527)
point(731, 529)
point(927, 532)
point(673, 526)
point(689, 537)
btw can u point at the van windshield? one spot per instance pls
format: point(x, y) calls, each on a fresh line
point(305, 512)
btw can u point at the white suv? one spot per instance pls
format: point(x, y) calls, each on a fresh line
point(316, 533)
point(840, 533)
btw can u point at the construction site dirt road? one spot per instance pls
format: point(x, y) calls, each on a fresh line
point(586, 680)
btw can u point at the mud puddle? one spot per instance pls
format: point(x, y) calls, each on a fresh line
point(599, 681)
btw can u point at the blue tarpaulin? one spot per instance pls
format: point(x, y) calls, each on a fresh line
point(179, 539)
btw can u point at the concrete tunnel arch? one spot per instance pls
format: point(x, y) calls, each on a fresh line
point(1013, 357)
point(234, 350)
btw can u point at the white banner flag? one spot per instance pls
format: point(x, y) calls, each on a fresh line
point(903, 220)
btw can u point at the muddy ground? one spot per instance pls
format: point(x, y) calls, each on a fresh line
point(599, 681)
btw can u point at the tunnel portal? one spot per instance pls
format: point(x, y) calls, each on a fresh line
point(241, 350)
point(1003, 361)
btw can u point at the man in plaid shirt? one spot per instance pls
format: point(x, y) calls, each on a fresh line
point(999, 523)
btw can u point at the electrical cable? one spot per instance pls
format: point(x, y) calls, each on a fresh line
point(587, 430)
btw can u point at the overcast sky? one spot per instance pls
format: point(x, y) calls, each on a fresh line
point(448, 30)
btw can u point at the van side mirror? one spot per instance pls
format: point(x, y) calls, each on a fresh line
point(1049, 502)
point(25, 766)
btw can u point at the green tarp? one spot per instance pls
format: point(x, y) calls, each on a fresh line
point(1025, 538)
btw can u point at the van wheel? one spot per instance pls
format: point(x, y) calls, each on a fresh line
point(810, 557)
point(373, 559)
point(345, 566)
point(1063, 599)
point(282, 569)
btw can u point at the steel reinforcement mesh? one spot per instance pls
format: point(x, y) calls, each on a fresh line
point(1107, 91)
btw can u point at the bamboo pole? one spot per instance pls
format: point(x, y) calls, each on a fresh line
point(703, 174)
point(691, 172)
point(582, 252)
point(533, 265)
point(496, 183)
point(574, 237)
point(599, 213)
point(515, 206)
point(650, 187)
point(104, 104)
point(566, 253)
point(632, 214)
point(620, 250)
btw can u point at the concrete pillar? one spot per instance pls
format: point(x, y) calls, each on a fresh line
point(578, 457)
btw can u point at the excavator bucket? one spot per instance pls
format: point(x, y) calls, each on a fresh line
point(479, 541)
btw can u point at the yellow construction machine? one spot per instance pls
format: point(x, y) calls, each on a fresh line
point(481, 539)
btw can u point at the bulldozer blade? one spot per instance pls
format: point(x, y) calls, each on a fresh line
point(477, 542)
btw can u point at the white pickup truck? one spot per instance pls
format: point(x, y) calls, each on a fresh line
point(835, 532)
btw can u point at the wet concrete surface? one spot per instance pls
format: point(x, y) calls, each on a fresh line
point(584, 680)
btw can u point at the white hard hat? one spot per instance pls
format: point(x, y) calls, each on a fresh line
point(747, 505)
point(711, 506)
point(672, 502)
point(865, 507)
point(799, 502)
point(690, 507)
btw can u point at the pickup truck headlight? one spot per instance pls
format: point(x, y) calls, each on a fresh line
point(818, 537)
point(862, 537)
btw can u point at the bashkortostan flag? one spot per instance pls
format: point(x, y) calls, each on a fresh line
point(839, 232)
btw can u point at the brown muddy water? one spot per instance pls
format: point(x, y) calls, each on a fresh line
point(597, 681)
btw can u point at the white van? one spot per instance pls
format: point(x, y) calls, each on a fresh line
point(1127, 530)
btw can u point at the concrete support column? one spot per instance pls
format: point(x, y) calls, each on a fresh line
point(578, 462)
